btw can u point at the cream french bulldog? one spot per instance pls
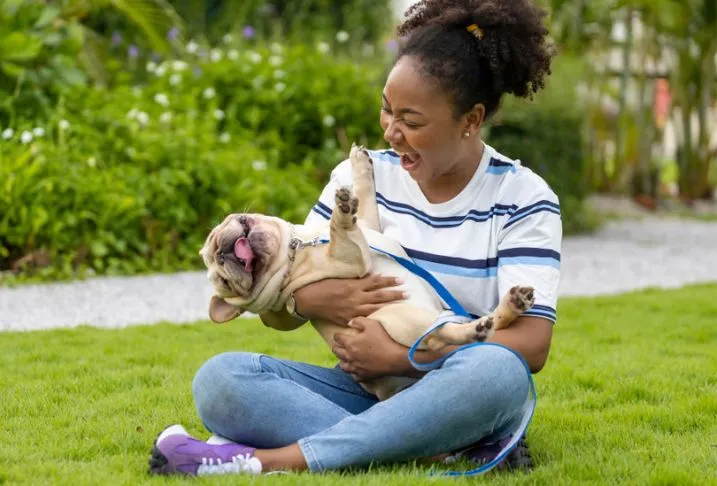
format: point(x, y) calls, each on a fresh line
point(256, 262)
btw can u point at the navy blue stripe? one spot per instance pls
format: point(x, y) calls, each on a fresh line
point(445, 221)
point(543, 308)
point(543, 202)
point(531, 252)
point(457, 262)
point(390, 152)
point(499, 163)
point(534, 208)
point(322, 209)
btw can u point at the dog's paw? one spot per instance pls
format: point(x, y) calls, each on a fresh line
point(483, 328)
point(346, 206)
point(521, 298)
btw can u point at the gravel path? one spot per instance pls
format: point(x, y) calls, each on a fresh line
point(622, 256)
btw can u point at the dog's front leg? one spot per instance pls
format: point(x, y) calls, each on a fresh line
point(364, 187)
point(510, 307)
point(348, 244)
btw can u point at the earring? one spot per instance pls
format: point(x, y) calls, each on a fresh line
point(466, 134)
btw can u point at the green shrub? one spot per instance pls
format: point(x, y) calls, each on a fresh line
point(38, 57)
point(131, 179)
point(305, 21)
point(546, 135)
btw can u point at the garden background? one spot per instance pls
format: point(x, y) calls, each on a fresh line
point(128, 128)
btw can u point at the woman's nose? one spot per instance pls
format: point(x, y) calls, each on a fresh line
point(392, 135)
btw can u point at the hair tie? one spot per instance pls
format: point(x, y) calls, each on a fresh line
point(476, 31)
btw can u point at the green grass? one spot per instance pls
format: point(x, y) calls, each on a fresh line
point(629, 396)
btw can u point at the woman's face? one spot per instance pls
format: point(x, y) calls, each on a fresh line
point(418, 122)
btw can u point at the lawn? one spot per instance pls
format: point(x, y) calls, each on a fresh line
point(629, 396)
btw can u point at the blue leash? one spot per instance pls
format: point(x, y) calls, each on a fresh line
point(460, 315)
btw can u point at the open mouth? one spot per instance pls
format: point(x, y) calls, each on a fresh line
point(409, 161)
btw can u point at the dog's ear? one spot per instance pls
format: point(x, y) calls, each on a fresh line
point(221, 311)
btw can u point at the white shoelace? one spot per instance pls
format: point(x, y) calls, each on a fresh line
point(246, 464)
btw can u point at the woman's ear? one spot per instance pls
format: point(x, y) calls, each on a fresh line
point(475, 118)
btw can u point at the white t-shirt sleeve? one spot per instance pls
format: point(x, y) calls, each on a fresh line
point(529, 246)
point(321, 212)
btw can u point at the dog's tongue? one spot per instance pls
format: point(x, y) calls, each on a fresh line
point(242, 250)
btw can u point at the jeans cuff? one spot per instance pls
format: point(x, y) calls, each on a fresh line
point(311, 460)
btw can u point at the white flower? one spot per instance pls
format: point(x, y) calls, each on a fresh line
point(165, 117)
point(142, 118)
point(162, 99)
point(175, 79)
point(323, 47)
point(38, 132)
point(342, 36)
point(151, 66)
point(225, 137)
point(192, 47)
point(279, 74)
point(26, 137)
point(279, 87)
point(92, 162)
point(137, 91)
point(216, 55)
point(209, 93)
point(276, 60)
point(258, 82)
point(64, 124)
point(258, 165)
point(329, 121)
point(255, 57)
point(132, 114)
point(179, 66)
point(276, 47)
point(368, 50)
point(233, 54)
point(218, 114)
point(131, 152)
point(8, 133)
point(227, 39)
point(161, 69)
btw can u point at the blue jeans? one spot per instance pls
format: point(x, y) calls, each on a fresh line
point(477, 394)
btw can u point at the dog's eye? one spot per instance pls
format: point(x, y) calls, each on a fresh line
point(224, 282)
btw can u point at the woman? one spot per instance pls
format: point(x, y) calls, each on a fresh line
point(479, 221)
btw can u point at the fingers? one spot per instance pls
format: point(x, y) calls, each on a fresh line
point(376, 282)
point(386, 296)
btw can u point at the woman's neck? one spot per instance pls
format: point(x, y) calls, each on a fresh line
point(449, 185)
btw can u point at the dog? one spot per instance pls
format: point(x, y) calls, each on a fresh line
point(255, 263)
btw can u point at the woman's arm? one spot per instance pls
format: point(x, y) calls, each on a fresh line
point(371, 353)
point(528, 336)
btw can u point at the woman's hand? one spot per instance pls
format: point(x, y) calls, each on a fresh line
point(367, 351)
point(340, 300)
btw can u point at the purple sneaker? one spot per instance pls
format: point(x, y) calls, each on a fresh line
point(177, 452)
point(482, 453)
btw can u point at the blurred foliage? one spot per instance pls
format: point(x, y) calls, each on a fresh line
point(306, 21)
point(545, 134)
point(671, 39)
point(47, 48)
point(131, 180)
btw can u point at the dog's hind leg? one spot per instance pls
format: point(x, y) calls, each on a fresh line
point(510, 307)
point(364, 187)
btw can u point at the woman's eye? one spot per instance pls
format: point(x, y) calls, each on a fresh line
point(385, 110)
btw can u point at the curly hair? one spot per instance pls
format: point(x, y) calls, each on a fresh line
point(512, 54)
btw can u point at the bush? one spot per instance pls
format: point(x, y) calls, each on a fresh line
point(546, 135)
point(130, 180)
point(306, 21)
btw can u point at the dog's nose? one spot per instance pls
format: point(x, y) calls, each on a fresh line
point(242, 219)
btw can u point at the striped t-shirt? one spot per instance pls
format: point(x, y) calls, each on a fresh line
point(503, 229)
